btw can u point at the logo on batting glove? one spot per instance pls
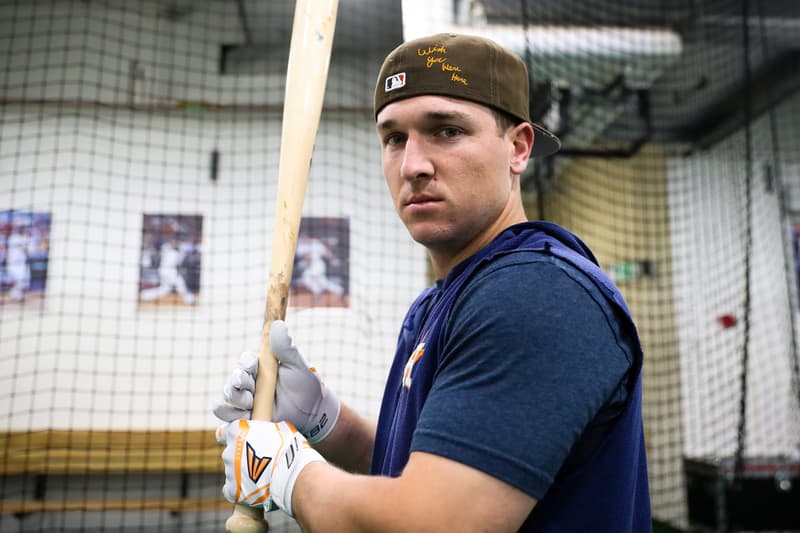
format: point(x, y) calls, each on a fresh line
point(255, 464)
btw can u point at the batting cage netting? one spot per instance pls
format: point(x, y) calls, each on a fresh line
point(139, 148)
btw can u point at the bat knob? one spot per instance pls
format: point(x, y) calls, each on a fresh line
point(246, 519)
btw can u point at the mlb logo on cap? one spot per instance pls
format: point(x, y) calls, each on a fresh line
point(395, 81)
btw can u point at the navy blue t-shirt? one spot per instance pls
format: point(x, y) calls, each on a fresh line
point(518, 346)
point(524, 363)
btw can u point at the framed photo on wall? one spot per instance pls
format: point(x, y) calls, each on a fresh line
point(794, 232)
point(321, 272)
point(170, 260)
point(24, 256)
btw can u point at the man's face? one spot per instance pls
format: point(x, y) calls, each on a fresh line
point(449, 171)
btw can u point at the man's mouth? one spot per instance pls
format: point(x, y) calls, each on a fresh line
point(421, 200)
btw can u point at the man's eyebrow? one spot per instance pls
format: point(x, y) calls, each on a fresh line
point(386, 124)
point(430, 117)
point(444, 116)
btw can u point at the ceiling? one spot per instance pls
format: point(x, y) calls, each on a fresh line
point(699, 97)
point(704, 95)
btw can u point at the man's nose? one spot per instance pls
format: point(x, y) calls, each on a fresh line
point(416, 159)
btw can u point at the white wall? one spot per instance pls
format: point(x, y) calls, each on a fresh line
point(91, 358)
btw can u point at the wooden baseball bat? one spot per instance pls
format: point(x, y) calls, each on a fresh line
point(306, 75)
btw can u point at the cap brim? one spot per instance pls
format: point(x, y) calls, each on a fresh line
point(544, 142)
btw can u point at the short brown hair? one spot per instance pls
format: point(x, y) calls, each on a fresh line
point(504, 120)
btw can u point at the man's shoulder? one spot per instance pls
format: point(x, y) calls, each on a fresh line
point(529, 266)
point(533, 283)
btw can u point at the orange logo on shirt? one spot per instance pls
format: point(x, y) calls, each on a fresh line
point(416, 355)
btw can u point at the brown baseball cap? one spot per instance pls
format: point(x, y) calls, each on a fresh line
point(462, 66)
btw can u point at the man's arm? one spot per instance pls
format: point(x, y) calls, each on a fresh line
point(350, 443)
point(432, 494)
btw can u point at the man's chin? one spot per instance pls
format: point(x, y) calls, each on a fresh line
point(430, 237)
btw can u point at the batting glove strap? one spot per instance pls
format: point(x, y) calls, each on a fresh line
point(296, 457)
point(327, 416)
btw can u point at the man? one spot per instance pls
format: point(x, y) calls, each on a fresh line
point(514, 399)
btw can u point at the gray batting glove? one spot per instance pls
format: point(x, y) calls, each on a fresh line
point(300, 395)
point(237, 396)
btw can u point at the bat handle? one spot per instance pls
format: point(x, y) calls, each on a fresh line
point(246, 519)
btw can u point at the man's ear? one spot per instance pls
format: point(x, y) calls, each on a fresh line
point(522, 137)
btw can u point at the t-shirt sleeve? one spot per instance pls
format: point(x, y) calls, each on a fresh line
point(530, 356)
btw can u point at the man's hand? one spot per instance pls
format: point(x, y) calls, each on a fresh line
point(237, 396)
point(262, 461)
point(300, 395)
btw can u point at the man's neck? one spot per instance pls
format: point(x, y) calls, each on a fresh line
point(444, 261)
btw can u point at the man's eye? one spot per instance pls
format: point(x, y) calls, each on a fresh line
point(449, 132)
point(393, 139)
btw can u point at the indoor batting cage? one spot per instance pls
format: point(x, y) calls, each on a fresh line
point(139, 154)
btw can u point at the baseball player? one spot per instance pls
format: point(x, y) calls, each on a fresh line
point(313, 267)
point(17, 265)
point(514, 399)
point(170, 277)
